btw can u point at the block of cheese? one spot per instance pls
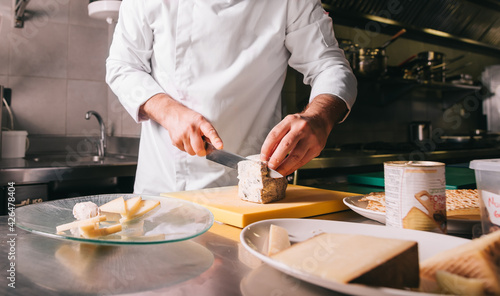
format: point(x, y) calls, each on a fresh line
point(115, 206)
point(254, 183)
point(351, 258)
point(278, 239)
point(478, 259)
point(78, 223)
point(144, 207)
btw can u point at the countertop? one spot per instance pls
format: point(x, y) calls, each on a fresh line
point(214, 263)
point(46, 168)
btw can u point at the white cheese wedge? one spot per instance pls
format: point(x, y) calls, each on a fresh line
point(79, 223)
point(145, 207)
point(350, 258)
point(89, 231)
point(278, 239)
point(115, 206)
point(477, 259)
point(132, 206)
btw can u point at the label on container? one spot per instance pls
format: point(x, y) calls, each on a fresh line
point(415, 195)
point(492, 204)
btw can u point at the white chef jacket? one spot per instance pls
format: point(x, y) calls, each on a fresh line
point(225, 59)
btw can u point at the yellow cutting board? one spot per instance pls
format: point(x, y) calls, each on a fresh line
point(299, 202)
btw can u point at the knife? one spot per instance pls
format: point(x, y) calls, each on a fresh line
point(230, 159)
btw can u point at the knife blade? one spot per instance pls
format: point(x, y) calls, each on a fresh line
point(230, 159)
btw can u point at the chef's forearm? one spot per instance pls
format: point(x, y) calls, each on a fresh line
point(328, 108)
point(156, 107)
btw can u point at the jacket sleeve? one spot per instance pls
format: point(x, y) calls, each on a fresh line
point(128, 66)
point(315, 52)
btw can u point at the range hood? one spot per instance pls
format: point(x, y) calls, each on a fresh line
point(464, 24)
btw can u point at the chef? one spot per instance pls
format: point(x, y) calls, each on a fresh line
point(189, 70)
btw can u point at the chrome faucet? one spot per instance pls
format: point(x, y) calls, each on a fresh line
point(101, 145)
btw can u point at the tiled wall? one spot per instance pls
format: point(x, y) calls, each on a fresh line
point(55, 67)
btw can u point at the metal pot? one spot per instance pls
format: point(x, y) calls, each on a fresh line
point(430, 66)
point(420, 131)
point(372, 62)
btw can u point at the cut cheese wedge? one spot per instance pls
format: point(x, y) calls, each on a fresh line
point(132, 205)
point(79, 223)
point(91, 231)
point(115, 206)
point(278, 239)
point(145, 207)
point(477, 259)
point(350, 258)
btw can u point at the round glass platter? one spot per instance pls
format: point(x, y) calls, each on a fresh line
point(174, 220)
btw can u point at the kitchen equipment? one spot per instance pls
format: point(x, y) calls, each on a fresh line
point(300, 202)
point(420, 131)
point(372, 62)
point(430, 66)
point(229, 159)
point(487, 173)
point(14, 144)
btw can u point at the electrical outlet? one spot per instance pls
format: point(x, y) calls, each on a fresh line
point(7, 94)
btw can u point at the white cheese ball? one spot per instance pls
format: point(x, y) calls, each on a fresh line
point(85, 210)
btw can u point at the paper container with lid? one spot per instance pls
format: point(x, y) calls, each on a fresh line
point(487, 173)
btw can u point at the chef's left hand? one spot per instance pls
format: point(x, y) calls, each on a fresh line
point(300, 137)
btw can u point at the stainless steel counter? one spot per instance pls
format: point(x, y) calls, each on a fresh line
point(47, 168)
point(214, 263)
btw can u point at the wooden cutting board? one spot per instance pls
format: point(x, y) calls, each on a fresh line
point(300, 202)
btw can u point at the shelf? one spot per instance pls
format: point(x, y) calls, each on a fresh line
point(394, 88)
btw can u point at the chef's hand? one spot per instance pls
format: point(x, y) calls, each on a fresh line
point(185, 126)
point(300, 137)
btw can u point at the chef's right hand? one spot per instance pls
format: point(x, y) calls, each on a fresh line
point(185, 126)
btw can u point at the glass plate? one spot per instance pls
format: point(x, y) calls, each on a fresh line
point(175, 220)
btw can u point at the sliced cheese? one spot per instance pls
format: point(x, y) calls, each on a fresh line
point(278, 239)
point(350, 258)
point(478, 259)
point(79, 223)
point(115, 206)
point(145, 206)
point(88, 231)
point(132, 206)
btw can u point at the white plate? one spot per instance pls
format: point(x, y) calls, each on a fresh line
point(454, 225)
point(354, 203)
point(175, 220)
point(254, 236)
